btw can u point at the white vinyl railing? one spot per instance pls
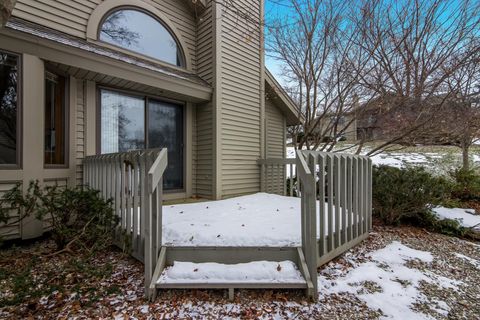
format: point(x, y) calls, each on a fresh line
point(133, 180)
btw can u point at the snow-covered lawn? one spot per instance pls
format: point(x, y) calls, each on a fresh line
point(466, 217)
point(444, 158)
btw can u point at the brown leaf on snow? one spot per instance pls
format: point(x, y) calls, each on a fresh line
point(279, 268)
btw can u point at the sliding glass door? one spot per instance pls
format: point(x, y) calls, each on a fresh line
point(130, 122)
point(165, 130)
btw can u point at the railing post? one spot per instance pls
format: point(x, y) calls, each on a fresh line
point(307, 184)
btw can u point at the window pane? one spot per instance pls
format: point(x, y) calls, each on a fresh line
point(165, 130)
point(140, 32)
point(8, 108)
point(122, 122)
point(55, 119)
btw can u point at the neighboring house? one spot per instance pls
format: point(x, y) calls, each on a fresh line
point(440, 119)
point(79, 78)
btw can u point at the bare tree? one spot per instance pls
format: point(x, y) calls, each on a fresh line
point(415, 46)
point(6, 8)
point(322, 65)
point(463, 122)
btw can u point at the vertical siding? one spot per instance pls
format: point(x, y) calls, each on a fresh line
point(275, 131)
point(240, 109)
point(80, 131)
point(71, 17)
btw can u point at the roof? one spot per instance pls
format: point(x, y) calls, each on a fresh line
point(72, 49)
point(281, 99)
point(59, 37)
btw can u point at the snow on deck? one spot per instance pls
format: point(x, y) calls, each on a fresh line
point(466, 217)
point(260, 219)
point(251, 272)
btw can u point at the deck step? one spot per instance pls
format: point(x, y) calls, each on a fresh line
point(255, 274)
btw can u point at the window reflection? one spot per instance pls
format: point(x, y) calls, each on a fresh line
point(123, 129)
point(165, 130)
point(8, 108)
point(137, 31)
point(122, 122)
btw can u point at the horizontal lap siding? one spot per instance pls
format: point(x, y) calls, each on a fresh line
point(13, 229)
point(203, 146)
point(71, 17)
point(275, 131)
point(80, 132)
point(240, 104)
point(275, 144)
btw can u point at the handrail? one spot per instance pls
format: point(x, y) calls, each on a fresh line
point(134, 181)
point(156, 170)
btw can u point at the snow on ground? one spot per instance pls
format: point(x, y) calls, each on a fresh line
point(252, 272)
point(473, 262)
point(403, 159)
point(260, 219)
point(386, 283)
point(466, 217)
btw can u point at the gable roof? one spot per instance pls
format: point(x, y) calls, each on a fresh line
point(281, 99)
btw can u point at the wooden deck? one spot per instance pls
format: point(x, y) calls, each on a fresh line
point(343, 181)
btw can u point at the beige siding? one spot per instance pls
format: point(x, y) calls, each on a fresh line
point(61, 183)
point(71, 17)
point(13, 228)
point(205, 46)
point(203, 142)
point(275, 131)
point(275, 144)
point(240, 104)
point(80, 132)
point(203, 154)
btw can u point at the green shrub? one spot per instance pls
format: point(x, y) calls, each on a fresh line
point(466, 185)
point(406, 195)
point(79, 216)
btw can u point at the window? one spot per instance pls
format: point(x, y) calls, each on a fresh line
point(9, 109)
point(129, 122)
point(140, 32)
point(55, 119)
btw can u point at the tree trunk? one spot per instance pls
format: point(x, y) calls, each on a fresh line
point(465, 160)
point(6, 8)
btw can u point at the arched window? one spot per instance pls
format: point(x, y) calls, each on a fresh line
point(140, 32)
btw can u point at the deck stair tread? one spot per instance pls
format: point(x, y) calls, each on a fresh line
point(249, 274)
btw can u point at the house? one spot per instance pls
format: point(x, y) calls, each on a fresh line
point(441, 120)
point(79, 78)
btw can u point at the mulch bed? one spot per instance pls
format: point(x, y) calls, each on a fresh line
point(109, 285)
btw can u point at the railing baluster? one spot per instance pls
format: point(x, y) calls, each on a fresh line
point(336, 177)
point(349, 199)
point(343, 198)
point(321, 195)
point(331, 241)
